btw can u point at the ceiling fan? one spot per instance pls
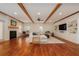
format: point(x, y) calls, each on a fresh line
point(39, 19)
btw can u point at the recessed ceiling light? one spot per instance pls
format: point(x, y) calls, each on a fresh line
point(26, 21)
point(60, 13)
point(38, 13)
point(41, 28)
point(15, 13)
point(50, 20)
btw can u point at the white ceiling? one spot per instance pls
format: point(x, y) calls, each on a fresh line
point(44, 9)
point(34, 8)
point(11, 8)
point(65, 9)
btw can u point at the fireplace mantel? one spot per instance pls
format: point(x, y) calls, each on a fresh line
point(12, 27)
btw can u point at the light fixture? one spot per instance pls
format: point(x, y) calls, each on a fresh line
point(39, 19)
point(41, 28)
point(15, 13)
point(38, 13)
point(60, 13)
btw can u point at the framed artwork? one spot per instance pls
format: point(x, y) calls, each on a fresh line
point(13, 23)
point(73, 26)
point(55, 27)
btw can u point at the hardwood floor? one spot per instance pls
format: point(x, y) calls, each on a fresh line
point(21, 47)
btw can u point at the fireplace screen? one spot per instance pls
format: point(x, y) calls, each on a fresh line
point(13, 34)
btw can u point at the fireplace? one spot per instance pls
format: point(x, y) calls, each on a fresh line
point(13, 34)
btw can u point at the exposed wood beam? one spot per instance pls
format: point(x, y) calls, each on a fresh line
point(25, 11)
point(53, 11)
point(10, 16)
point(67, 16)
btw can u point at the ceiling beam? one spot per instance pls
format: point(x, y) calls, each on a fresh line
point(25, 11)
point(67, 16)
point(53, 11)
point(10, 16)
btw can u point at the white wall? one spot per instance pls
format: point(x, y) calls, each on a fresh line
point(5, 28)
point(66, 34)
point(77, 35)
point(6, 23)
point(1, 30)
point(19, 25)
point(36, 27)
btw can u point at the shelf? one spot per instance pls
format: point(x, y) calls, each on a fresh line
point(12, 27)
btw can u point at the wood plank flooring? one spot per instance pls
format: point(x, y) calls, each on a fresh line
point(21, 47)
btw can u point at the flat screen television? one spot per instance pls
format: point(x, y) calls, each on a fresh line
point(63, 27)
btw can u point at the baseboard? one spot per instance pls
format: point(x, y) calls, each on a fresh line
point(4, 41)
point(64, 40)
